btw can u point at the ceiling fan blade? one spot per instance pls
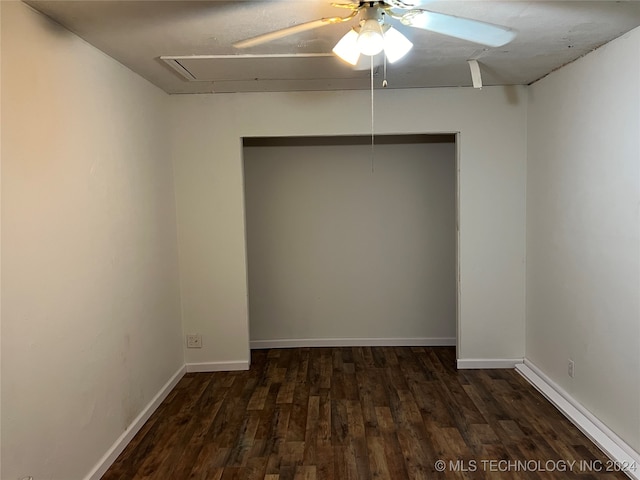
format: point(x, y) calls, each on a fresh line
point(458, 27)
point(285, 32)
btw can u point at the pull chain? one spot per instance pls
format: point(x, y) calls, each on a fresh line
point(372, 123)
point(384, 81)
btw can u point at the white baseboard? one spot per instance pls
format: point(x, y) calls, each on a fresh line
point(116, 449)
point(610, 443)
point(217, 366)
point(482, 363)
point(352, 342)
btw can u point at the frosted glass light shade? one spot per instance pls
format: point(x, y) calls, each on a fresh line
point(347, 48)
point(370, 40)
point(396, 45)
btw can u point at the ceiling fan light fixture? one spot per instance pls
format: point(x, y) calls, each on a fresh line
point(347, 48)
point(371, 39)
point(396, 45)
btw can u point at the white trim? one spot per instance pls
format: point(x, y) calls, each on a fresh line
point(610, 443)
point(352, 342)
point(116, 449)
point(217, 366)
point(481, 363)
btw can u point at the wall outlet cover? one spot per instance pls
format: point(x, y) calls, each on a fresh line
point(194, 341)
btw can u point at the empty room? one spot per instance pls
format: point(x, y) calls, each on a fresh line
point(299, 240)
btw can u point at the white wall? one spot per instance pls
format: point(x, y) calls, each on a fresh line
point(90, 299)
point(583, 232)
point(338, 251)
point(207, 132)
point(0, 241)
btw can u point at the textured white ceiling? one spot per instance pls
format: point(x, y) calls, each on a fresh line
point(138, 33)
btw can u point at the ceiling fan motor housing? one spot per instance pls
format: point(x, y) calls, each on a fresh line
point(371, 11)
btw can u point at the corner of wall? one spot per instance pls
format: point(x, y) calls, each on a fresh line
point(1, 7)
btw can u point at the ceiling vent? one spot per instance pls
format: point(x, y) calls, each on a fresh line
point(243, 73)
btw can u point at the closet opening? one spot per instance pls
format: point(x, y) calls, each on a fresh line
point(349, 244)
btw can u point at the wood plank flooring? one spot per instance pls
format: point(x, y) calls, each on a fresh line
point(358, 413)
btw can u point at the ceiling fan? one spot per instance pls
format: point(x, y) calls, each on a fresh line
point(374, 36)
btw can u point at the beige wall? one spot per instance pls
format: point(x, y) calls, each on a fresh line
point(0, 242)
point(207, 153)
point(90, 299)
point(583, 232)
point(338, 251)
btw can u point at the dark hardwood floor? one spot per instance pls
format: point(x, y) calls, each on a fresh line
point(358, 413)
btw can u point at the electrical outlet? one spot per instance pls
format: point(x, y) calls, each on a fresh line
point(571, 368)
point(194, 341)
